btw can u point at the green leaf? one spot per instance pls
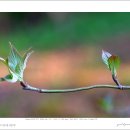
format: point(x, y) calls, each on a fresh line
point(16, 64)
point(105, 56)
point(10, 78)
point(26, 56)
point(114, 63)
point(14, 58)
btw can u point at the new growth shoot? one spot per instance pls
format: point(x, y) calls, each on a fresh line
point(16, 64)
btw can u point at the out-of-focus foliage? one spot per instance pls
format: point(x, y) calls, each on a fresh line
point(107, 103)
point(59, 30)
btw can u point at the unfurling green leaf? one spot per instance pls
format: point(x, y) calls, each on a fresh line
point(25, 57)
point(111, 61)
point(16, 64)
point(105, 57)
point(114, 63)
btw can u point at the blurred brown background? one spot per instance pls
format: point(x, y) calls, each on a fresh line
point(67, 54)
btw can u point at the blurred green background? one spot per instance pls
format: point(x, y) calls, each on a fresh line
point(67, 55)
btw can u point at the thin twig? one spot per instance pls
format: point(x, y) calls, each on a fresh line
point(28, 87)
point(115, 79)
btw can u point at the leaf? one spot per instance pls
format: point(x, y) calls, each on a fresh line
point(114, 63)
point(16, 64)
point(14, 58)
point(105, 56)
point(10, 78)
point(111, 61)
point(26, 56)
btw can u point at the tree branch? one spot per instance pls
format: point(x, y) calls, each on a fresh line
point(28, 87)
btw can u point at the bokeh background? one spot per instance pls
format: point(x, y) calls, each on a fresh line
point(67, 54)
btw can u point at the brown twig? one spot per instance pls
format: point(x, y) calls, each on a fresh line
point(28, 87)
